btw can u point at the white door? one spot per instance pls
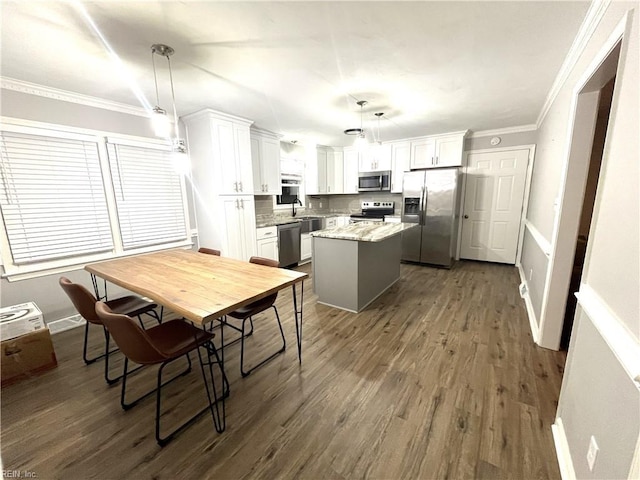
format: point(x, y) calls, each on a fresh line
point(493, 205)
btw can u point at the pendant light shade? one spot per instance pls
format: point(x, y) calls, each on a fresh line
point(160, 123)
point(361, 137)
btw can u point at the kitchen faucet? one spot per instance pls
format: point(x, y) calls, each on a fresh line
point(293, 206)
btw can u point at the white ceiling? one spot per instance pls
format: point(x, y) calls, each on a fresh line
point(297, 68)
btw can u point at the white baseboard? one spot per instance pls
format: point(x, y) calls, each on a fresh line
point(64, 324)
point(524, 293)
point(562, 451)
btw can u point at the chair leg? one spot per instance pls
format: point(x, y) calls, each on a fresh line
point(262, 362)
point(89, 361)
point(218, 417)
point(107, 354)
point(125, 373)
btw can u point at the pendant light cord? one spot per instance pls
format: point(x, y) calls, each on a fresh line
point(155, 77)
point(173, 98)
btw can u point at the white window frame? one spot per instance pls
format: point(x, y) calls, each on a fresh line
point(14, 272)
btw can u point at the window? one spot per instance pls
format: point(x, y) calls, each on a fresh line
point(52, 197)
point(148, 195)
point(71, 197)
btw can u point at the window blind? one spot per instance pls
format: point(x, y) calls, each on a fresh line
point(52, 197)
point(149, 197)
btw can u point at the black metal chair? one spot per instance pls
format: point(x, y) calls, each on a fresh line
point(248, 311)
point(85, 303)
point(162, 344)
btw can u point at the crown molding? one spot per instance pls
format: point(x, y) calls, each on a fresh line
point(595, 13)
point(503, 131)
point(72, 97)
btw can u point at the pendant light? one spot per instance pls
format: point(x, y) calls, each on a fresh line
point(361, 138)
point(379, 114)
point(160, 121)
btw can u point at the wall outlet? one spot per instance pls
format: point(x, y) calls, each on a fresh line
point(310, 205)
point(530, 274)
point(523, 289)
point(592, 453)
point(320, 204)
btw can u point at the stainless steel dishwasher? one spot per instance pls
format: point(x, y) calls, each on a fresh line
point(289, 244)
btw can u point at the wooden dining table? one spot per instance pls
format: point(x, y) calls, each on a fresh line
point(201, 288)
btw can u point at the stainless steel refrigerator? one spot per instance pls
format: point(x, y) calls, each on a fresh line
point(429, 198)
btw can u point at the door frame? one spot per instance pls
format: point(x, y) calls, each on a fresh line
point(525, 201)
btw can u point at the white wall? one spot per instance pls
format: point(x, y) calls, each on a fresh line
point(598, 395)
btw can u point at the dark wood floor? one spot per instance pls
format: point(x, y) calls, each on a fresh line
point(439, 378)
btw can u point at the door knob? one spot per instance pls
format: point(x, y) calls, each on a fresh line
point(466, 216)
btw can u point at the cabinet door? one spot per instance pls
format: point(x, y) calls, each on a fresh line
point(271, 166)
point(449, 151)
point(240, 227)
point(305, 246)
point(268, 248)
point(322, 171)
point(400, 161)
point(380, 157)
point(225, 142)
point(365, 161)
point(351, 168)
point(244, 170)
point(311, 176)
point(335, 172)
point(256, 163)
point(422, 153)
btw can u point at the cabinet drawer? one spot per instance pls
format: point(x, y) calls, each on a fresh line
point(267, 232)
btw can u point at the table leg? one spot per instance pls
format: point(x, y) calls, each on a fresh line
point(298, 317)
point(96, 288)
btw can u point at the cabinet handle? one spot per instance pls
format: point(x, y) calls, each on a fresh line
point(328, 188)
point(242, 203)
point(237, 204)
point(240, 186)
point(235, 186)
point(436, 160)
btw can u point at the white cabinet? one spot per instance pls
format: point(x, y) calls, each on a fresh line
point(305, 247)
point(400, 163)
point(240, 226)
point(351, 169)
point(342, 220)
point(267, 242)
point(326, 175)
point(376, 158)
point(265, 157)
point(220, 152)
point(335, 172)
point(440, 151)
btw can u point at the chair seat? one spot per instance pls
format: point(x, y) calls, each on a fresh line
point(254, 308)
point(177, 337)
point(130, 305)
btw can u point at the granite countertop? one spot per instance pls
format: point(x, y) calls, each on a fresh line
point(272, 220)
point(364, 231)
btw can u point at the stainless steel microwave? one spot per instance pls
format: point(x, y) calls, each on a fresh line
point(374, 181)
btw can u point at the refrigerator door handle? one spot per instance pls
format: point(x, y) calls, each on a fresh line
point(423, 206)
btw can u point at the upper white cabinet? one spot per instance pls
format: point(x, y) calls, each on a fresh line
point(222, 141)
point(376, 158)
point(265, 157)
point(351, 169)
point(400, 163)
point(439, 151)
point(335, 172)
point(326, 174)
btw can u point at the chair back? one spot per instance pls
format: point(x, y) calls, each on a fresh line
point(82, 299)
point(267, 262)
point(209, 251)
point(132, 340)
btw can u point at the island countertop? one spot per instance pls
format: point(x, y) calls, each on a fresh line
point(364, 231)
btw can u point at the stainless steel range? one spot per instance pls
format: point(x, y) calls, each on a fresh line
point(373, 212)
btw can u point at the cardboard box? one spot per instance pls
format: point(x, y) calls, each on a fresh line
point(26, 356)
point(20, 319)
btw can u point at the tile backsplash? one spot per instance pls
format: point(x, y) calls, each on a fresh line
point(330, 203)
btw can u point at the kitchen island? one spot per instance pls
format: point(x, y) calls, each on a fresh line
point(355, 264)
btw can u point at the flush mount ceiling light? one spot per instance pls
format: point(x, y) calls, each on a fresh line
point(160, 121)
point(361, 138)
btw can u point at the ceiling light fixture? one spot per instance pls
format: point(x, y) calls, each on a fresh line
point(380, 114)
point(160, 121)
point(361, 138)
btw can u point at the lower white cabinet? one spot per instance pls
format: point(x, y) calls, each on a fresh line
point(305, 247)
point(239, 227)
point(267, 242)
